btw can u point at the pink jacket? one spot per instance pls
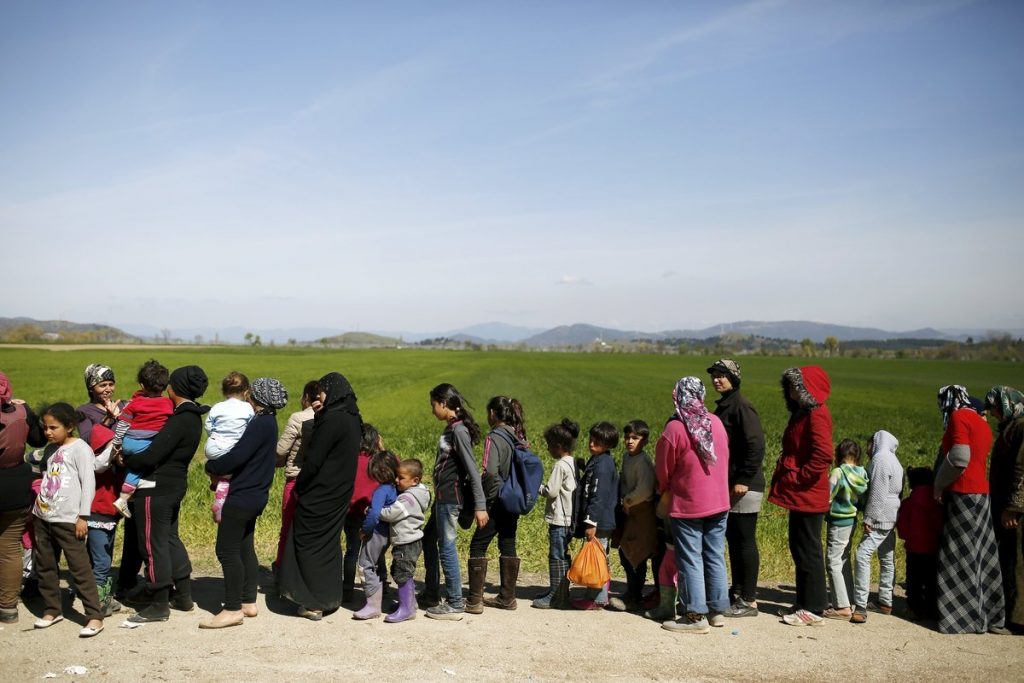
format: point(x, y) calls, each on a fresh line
point(697, 490)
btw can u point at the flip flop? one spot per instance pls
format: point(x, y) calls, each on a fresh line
point(836, 614)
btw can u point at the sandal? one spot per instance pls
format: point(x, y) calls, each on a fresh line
point(860, 616)
point(840, 614)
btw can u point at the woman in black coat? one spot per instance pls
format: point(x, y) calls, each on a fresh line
point(311, 568)
point(250, 462)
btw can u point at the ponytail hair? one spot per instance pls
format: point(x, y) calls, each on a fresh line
point(450, 398)
point(509, 411)
point(562, 435)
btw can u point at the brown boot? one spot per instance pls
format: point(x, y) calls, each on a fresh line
point(477, 579)
point(509, 575)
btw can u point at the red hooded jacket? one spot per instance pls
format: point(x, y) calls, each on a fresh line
point(108, 483)
point(800, 482)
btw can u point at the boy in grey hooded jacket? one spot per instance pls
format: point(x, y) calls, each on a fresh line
point(406, 516)
point(885, 487)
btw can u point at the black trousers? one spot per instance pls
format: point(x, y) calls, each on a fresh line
point(237, 555)
point(745, 558)
point(501, 524)
point(922, 588)
point(809, 560)
point(635, 576)
point(1009, 556)
point(131, 558)
point(156, 524)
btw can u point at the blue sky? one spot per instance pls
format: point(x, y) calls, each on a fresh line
point(424, 166)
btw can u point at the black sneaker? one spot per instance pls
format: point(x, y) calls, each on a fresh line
point(151, 614)
point(741, 608)
point(446, 612)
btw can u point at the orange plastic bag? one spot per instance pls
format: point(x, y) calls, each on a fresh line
point(590, 568)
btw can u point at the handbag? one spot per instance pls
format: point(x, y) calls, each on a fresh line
point(590, 568)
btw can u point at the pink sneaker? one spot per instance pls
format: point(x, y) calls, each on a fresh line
point(220, 494)
point(587, 605)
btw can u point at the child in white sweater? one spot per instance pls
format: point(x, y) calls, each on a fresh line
point(558, 511)
point(225, 424)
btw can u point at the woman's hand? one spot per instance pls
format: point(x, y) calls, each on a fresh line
point(482, 518)
point(316, 405)
point(81, 529)
point(1011, 519)
point(739, 490)
point(111, 407)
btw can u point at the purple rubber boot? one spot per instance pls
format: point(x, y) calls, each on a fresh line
point(406, 604)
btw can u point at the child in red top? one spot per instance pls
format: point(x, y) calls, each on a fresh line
point(139, 422)
point(919, 524)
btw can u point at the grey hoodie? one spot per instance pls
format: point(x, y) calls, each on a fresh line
point(885, 477)
point(406, 514)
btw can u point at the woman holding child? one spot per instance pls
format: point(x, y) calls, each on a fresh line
point(312, 566)
point(250, 462)
point(166, 463)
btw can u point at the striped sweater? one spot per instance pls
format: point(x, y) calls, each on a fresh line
point(847, 484)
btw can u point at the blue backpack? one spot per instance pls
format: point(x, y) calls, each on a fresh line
point(518, 493)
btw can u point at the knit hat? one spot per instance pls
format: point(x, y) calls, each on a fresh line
point(189, 382)
point(96, 373)
point(729, 368)
point(269, 392)
point(99, 438)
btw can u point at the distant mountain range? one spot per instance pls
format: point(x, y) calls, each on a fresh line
point(496, 333)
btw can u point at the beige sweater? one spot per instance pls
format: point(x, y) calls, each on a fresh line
point(291, 440)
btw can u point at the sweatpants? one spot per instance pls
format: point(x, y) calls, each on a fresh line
point(808, 560)
point(156, 524)
point(371, 555)
point(237, 556)
point(48, 570)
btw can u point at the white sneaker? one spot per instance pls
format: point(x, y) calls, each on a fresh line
point(122, 506)
point(716, 619)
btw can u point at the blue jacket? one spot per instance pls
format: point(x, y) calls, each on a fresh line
point(383, 495)
point(598, 494)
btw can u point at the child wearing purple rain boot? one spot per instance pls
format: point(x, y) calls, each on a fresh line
point(406, 516)
point(383, 469)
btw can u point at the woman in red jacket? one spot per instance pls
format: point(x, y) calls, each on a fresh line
point(800, 484)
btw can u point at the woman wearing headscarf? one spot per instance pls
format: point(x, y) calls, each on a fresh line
point(800, 484)
point(970, 588)
point(18, 426)
point(692, 465)
point(746, 484)
point(251, 466)
point(156, 509)
point(102, 408)
point(312, 567)
point(1006, 481)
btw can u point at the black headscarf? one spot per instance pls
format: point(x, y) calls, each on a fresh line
point(340, 395)
point(189, 382)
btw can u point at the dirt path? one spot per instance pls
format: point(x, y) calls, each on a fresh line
point(526, 644)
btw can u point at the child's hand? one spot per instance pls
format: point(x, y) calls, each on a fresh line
point(117, 456)
point(868, 528)
point(591, 533)
point(1011, 519)
point(81, 529)
point(482, 518)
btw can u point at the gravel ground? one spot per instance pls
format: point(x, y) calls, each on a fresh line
point(526, 644)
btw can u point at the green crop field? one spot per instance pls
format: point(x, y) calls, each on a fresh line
point(393, 387)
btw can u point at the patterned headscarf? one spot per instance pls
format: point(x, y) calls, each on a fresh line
point(1008, 400)
point(953, 397)
point(96, 373)
point(270, 393)
point(689, 399)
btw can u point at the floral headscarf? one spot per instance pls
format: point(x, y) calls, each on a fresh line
point(689, 399)
point(953, 397)
point(270, 393)
point(1007, 400)
point(96, 373)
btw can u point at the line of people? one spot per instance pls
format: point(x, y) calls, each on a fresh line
point(700, 494)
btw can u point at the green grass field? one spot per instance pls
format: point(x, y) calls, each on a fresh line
point(393, 387)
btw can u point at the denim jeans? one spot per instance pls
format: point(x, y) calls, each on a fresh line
point(559, 559)
point(101, 553)
point(439, 545)
point(884, 543)
point(600, 595)
point(700, 560)
point(840, 575)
